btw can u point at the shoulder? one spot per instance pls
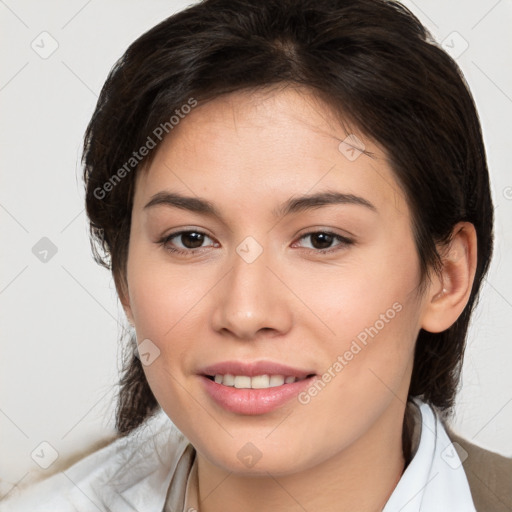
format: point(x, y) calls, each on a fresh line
point(489, 475)
point(110, 477)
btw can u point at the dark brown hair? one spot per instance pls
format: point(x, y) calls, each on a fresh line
point(379, 70)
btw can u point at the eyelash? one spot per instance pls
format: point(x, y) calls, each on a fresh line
point(164, 242)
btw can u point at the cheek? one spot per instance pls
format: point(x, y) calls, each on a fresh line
point(168, 310)
point(163, 310)
point(160, 296)
point(363, 292)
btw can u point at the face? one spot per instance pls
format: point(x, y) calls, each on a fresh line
point(272, 281)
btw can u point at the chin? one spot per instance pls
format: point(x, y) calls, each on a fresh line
point(259, 457)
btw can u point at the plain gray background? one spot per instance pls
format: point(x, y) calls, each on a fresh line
point(60, 318)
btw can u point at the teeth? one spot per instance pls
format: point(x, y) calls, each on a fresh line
point(228, 380)
point(276, 380)
point(260, 382)
point(256, 382)
point(242, 381)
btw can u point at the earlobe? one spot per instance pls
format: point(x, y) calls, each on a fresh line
point(450, 290)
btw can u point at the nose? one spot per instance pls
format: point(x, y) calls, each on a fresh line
point(250, 300)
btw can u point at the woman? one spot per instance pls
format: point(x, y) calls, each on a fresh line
point(294, 201)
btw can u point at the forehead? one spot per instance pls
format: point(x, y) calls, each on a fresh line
point(265, 146)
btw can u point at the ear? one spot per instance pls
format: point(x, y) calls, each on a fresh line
point(449, 291)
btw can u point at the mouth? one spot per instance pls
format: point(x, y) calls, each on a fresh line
point(253, 388)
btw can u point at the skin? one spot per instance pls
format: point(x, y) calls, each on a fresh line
point(293, 304)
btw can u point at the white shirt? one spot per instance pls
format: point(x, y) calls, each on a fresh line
point(154, 470)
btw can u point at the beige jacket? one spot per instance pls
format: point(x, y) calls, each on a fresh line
point(489, 476)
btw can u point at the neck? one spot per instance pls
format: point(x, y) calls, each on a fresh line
point(361, 477)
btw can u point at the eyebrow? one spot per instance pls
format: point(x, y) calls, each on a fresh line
point(292, 205)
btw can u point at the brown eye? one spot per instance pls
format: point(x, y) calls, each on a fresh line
point(186, 242)
point(192, 239)
point(322, 241)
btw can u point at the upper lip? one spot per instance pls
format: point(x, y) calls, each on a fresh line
point(252, 369)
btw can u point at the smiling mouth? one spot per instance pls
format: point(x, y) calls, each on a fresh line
point(255, 382)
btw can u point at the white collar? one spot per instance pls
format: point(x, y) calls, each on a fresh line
point(141, 481)
point(435, 480)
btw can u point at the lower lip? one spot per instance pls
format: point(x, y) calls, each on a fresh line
point(253, 401)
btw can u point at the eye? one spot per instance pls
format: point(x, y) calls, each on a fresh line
point(185, 242)
point(322, 241)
